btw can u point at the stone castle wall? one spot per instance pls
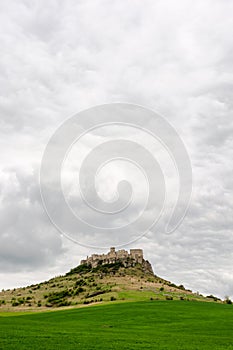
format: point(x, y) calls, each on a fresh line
point(113, 256)
point(127, 258)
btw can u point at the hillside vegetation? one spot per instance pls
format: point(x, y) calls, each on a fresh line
point(85, 285)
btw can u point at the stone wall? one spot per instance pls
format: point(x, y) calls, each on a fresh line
point(113, 256)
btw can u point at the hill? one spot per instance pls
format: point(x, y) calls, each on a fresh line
point(99, 279)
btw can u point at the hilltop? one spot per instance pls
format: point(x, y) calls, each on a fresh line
point(115, 276)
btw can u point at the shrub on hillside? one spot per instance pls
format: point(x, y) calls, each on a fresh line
point(58, 298)
point(181, 287)
point(213, 297)
point(15, 303)
point(78, 291)
point(106, 268)
point(97, 292)
point(80, 282)
point(81, 269)
point(228, 300)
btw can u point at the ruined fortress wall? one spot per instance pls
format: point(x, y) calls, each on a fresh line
point(112, 256)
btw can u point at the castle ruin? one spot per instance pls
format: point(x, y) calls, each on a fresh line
point(135, 256)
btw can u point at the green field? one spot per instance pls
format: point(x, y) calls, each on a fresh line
point(127, 325)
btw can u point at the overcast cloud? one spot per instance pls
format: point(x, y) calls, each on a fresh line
point(60, 57)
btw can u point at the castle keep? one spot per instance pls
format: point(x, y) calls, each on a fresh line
point(135, 256)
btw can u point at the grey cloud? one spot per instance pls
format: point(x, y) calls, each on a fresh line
point(27, 238)
point(58, 58)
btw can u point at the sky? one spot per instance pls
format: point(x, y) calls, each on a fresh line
point(59, 58)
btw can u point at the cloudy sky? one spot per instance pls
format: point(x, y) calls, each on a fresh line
point(61, 57)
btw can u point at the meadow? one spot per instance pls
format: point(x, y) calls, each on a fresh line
point(181, 325)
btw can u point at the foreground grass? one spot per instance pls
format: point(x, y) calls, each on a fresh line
point(136, 325)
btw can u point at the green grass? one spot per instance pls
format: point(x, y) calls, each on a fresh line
point(167, 325)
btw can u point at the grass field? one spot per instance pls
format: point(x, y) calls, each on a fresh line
point(136, 325)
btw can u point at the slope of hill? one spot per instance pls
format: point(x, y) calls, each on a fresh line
point(85, 285)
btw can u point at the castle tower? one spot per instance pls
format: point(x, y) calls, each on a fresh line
point(137, 255)
point(112, 255)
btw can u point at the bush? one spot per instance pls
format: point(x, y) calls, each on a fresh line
point(213, 297)
point(80, 282)
point(161, 289)
point(168, 297)
point(64, 303)
point(58, 298)
point(59, 295)
point(112, 298)
point(78, 290)
point(15, 303)
point(81, 269)
point(98, 292)
point(228, 300)
point(181, 287)
point(107, 268)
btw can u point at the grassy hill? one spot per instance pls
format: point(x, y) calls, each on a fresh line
point(145, 325)
point(85, 285)
point(130, 309)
